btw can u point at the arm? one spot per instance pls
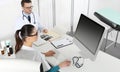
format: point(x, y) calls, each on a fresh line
point(61, 65)
point(54, 69)
point(41, 27)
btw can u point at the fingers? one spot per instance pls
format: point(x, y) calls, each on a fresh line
point(45, 30)
point(50, 53)
point(64, 64)
point(68, 63)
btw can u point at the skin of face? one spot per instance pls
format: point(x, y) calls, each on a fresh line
point(27, 8)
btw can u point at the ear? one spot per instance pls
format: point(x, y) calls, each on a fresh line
point(28, 39)
point(22, 8)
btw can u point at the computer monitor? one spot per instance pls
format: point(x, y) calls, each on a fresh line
point(88, 37)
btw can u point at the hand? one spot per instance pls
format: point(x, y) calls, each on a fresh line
point(45, 31)
point(49, 53)
point(64, 64)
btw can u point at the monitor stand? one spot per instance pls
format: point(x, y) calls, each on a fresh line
point(83, 55)
point(70, 34)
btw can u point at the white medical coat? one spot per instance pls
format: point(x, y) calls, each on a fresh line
point(32, 54)
point(22, 20)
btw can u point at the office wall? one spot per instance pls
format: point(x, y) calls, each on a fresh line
point(8, 12)
point(80, 6)
point(63, 12)
point(59, 12)
point(45, 11)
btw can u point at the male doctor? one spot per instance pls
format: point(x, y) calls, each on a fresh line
point(28, 17)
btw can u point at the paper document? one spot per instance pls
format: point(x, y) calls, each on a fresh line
point(61, 43)
point(39, 42)
point(53, 34)
point(45, 37)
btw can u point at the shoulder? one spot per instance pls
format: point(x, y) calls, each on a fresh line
point(19, 18)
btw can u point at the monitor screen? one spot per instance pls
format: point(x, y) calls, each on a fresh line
point(89, 33)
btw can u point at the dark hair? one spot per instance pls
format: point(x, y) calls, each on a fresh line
point(21, 34)
point(25, 1)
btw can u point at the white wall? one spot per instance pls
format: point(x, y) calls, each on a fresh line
point(63, 13)
point(46, 18)
point(80, 6)
point(8, 14)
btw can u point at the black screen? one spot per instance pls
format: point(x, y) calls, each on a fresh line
point(89, 33)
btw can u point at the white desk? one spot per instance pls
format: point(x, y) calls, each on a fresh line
point(5, 56)
point(103, 62)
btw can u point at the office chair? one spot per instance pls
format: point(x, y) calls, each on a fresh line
point(112, 19)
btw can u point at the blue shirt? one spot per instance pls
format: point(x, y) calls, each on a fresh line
point(54, 69)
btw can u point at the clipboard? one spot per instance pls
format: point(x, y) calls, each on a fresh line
point(61, 43)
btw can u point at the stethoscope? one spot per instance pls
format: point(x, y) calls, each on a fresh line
point(26, 17)
point(75, 60)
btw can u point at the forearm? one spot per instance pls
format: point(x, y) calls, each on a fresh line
point(54, 69)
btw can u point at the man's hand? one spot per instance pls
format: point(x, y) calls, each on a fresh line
point(45, 31)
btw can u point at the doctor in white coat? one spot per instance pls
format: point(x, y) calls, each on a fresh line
point(28, 17)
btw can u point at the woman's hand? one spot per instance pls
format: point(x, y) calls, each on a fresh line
point(49, 53)
point(64, 64)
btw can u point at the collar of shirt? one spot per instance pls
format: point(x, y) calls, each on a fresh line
point(27, 48)
point(26, 14)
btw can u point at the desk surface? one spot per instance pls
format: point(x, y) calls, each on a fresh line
point(5, 55)
point(103, 62)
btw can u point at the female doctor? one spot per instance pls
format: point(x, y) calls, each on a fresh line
point(23, 48)
point(28, 17)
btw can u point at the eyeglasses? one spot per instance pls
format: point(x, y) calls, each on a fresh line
point(34, 34)
point(29, 7)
